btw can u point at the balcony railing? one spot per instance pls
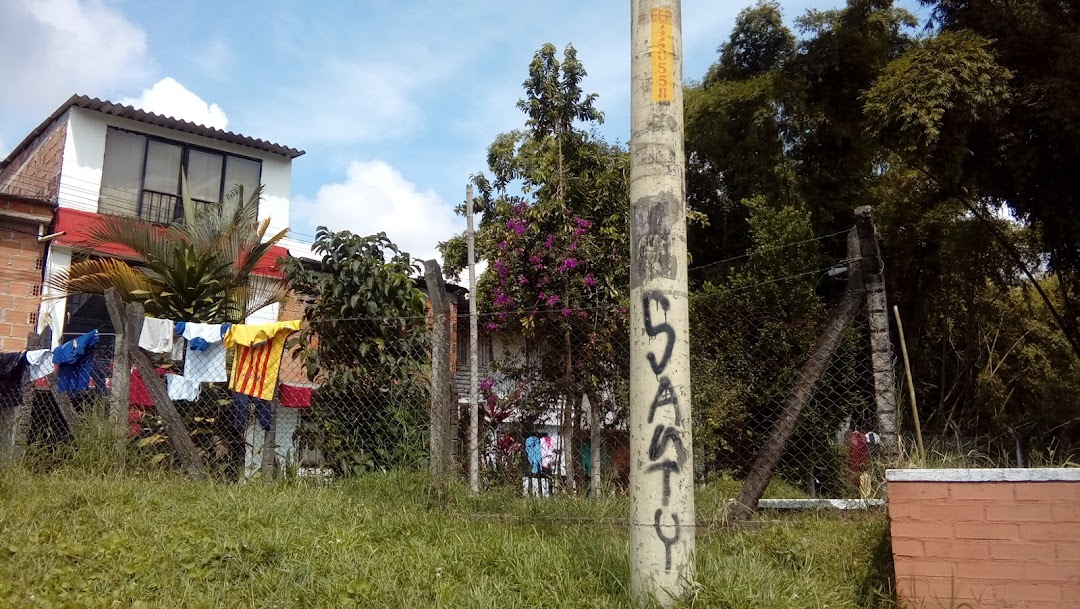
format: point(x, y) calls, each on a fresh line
point(163, 208)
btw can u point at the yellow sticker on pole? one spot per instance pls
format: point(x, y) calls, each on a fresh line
point(662, 50)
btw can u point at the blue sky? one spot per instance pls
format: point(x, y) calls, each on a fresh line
point(395, 101)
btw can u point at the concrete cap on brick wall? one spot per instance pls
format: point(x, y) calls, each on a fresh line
point(1035, 474)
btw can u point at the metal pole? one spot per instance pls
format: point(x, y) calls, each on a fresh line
point(661, 471)
point(474, 366)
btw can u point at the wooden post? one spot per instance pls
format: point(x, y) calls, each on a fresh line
point(15, 422)
point(594, 443)
point(121, 375)
point(63, 402)
point(806, 385)
point(877, 313)
point(269, 448)
point(190, 459)
point(910, 384)
point(442, 391)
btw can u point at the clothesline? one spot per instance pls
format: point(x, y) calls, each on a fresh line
point(201, 347)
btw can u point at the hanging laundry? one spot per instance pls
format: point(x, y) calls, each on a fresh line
point(74, 362)
point(205, 361)
point(156, 335)
point(12, 366)
point(182, 388)
point(547, 453)
point(263, 411)
point(258, 356)
point(534, 453)
point(41, 364)
point(138, 394)
point(294, 396)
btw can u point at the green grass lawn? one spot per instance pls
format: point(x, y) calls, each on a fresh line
point(70, 539)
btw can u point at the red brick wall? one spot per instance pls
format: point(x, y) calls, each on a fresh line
point(20, 272)
point(987, 544)
point(292, 369)
point(36, 171)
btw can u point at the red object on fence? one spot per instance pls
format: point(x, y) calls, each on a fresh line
point(295, 397)
point(858, 455)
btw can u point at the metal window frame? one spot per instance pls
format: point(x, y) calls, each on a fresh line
point(185, 149)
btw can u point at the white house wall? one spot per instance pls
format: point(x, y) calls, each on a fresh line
point(84, 157)
point(52, 310)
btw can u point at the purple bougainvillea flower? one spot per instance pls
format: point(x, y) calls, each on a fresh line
point(590, 280)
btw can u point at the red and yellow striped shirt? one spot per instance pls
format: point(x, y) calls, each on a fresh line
point(258, 356)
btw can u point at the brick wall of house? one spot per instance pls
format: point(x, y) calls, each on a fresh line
point(36, 171)
point(999, 541)
point(21, 259)
point(293, 308)
point(292, 371)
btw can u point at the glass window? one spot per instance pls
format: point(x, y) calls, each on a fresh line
point(163, 168)
point(134, 162)
point(121, 174)
point(204, 175)
point(243, 172)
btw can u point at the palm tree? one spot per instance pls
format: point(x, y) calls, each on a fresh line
point(199, 268)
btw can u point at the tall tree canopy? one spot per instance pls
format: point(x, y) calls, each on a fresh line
point(941, 130)
point(554, 230)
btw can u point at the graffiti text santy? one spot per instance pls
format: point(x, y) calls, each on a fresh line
point(667, 451)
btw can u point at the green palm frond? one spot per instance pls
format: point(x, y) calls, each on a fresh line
point(199, 268)
point(96, 276)
point(146, 240)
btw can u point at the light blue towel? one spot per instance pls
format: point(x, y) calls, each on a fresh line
point(532, 450)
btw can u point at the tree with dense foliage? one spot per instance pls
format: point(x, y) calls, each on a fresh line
point(940, 133)
point(558, 252)
point(365, 341)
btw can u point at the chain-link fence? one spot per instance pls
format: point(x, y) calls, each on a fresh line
point(785, 380)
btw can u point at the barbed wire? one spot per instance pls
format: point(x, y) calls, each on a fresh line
point(757, 250)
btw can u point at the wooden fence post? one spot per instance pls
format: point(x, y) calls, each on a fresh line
point(442, 391)
point(15, 422)
point(268, 464)
point(805, 387)
point(190, 459)
point(120, 393)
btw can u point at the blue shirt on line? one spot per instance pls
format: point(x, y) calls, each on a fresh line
point(75, 362)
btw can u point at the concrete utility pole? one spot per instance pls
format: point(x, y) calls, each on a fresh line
point(661, 470)
point(474, 365)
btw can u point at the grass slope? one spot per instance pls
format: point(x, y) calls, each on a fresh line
point(73, 540)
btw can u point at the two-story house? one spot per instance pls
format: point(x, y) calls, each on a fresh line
point(93, 157)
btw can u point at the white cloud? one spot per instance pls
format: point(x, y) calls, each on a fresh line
point(54, 48)
point(375, 198)
point(170, 98)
